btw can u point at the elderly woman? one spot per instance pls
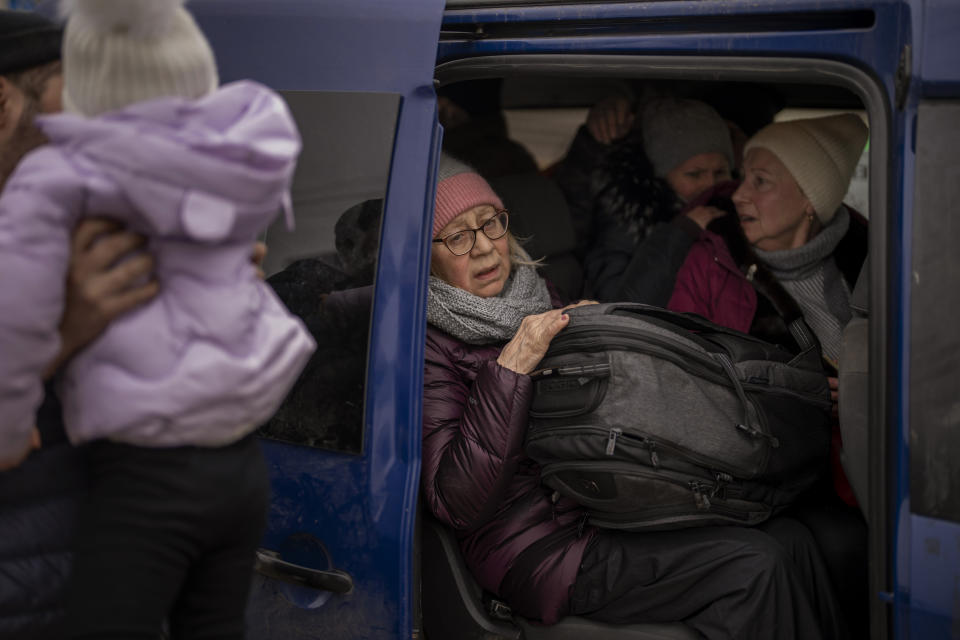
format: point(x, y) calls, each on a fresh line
point(491, 319)
point(677, 149)
point(789, 206)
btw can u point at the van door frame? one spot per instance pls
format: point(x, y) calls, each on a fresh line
point(884, 130)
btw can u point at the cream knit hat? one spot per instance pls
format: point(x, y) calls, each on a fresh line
point(820, 153)
point(118, 52)
point(459, 188)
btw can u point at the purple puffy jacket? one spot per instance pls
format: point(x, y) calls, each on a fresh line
point(477, 480)
point(212, 356)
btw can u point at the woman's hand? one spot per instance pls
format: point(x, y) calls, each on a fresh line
point(525, 351)
point(705, 215)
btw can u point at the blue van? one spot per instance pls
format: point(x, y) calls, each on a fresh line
point(349, 553)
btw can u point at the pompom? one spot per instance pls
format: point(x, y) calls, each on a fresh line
point(140, 18)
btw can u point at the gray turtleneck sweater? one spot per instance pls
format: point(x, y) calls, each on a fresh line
point(811, 276)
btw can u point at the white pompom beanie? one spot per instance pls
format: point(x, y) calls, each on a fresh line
point(820, 153)
point(118, 52)
point(459, 188)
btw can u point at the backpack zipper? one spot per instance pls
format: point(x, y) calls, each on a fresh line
point(614, 436)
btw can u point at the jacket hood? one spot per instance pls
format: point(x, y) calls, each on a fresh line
point(239, 143)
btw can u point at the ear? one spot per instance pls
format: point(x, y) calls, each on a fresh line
point(808, 209)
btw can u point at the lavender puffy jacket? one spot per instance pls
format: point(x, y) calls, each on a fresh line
point(476, 479)
point(213, 355)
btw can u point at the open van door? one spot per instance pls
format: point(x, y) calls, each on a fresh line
point(344, 452)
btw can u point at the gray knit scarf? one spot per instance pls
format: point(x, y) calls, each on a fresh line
point(811, 276)
point(477, 320)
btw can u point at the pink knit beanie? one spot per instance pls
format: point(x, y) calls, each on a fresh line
point(459, 188)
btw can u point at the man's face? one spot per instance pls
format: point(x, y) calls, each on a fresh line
point(51, 99)
point(20, 105)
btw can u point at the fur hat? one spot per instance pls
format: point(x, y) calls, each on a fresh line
point(820, 153)
point(27, 40)
point(676, 129)
point(459, 188)
point(118, 52)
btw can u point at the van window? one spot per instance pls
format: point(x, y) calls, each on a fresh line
point(324, 269)
point(934, 308)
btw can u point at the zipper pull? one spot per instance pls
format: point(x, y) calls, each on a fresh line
point(654, 458)
point(581, 525)
point(612, 439)
point(756, 434)
point(719, 488)
point(699, 497)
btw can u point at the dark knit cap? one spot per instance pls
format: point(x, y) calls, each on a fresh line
point(676, 129)
point(27, 40)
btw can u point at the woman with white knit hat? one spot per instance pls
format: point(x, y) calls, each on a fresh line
point(166, 400)
point(790, 211)
point(799, 233)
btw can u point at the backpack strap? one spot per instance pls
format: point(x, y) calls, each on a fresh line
point(785, 305)
point(767, 284)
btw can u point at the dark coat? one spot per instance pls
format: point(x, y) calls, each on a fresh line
point(477, 480)
point(631, 238)
point(711, 283)
point(38, 508)
point(574, 177)
point(483, 143)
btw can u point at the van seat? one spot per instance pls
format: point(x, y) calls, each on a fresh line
point(454, 606)
point(540, 215)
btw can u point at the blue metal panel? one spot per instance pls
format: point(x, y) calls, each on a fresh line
point(875, 48)
point(935, 598)
point(688, 9)
point(927, 568)
point(354, 513)
point(323, 45)
point(939, 48)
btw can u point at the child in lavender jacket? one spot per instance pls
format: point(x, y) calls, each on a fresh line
point(168, 396)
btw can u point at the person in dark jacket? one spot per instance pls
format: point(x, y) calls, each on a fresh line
point(633, 238)
point(791, 214)
point(39, 496)
point(475, 129)
point(490, 320)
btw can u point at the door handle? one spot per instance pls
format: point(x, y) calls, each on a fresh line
point(271, 565)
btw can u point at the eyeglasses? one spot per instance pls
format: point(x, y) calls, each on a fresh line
point(461, 242)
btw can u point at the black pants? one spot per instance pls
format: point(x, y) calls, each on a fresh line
point(841, 534)
point(725, 582)
point(167, 534)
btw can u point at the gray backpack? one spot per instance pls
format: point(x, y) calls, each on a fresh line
point(652, 419)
